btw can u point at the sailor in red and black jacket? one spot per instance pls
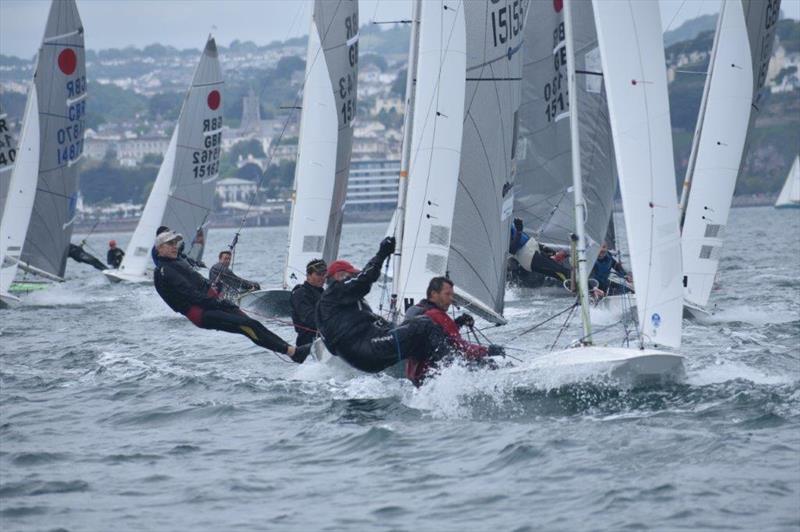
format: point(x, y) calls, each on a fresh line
point(439, 297)
point(189, 293)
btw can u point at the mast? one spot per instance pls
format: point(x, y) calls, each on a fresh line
point(698, 131)
point(580, 205)
point(405, 160)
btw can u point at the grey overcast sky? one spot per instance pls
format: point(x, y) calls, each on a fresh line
point(185, 23)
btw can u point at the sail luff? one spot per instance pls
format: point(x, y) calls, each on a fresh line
point(790, 193)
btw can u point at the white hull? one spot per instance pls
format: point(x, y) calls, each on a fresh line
point(693, 311)
point(117, 276)
point(626, 366)
point(8, 301)
point(269, 303)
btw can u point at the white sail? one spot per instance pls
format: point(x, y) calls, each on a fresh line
point(21, 194)
point(8, 153)
point(435, 148)
point(137, 258)
point(182, 195)
point(718, 149)
point(632, 53)
point(326, 134)
point(790, 193)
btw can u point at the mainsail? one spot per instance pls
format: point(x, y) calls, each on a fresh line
point(484, 197)
point(326, 136)
point(632, 53)
point(740, 58)
point(183, 194)
point(59, 86)
point(790, 193)
point(461, 177)
point(544, 194)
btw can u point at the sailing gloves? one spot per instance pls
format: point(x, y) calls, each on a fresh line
point(387, 248)
point(465, 320)
point(518, 224)
point(496, 351)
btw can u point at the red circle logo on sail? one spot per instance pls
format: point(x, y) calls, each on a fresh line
point(213, 100)
point(558, 5)
point(67, 61)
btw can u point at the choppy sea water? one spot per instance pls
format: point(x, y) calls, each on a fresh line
point(116, 413)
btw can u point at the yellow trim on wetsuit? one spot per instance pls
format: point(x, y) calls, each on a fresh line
point(249, 332)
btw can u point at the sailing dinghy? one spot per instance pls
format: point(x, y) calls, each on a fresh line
point(39, 209)
point(182, 196)
point(636, 86)
point(790, 193)
point(324, 150)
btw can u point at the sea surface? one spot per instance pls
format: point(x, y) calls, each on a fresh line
point(118, 414)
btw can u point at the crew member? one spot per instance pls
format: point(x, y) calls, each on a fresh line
point(225, 281)
point(601, 271)
point(304, 301)
point(438, 298)
point(114, 255)
point(530, 255)
point(78, 254)
point(366, 341)
point(181, 255)
point(190, 294)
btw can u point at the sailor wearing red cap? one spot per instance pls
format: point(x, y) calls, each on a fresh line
point(114, 255)
point(353, 332)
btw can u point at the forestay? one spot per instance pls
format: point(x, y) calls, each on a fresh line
point(326, 136)
point(182, 195)
point(543, 195)
point(59, 86)
point(484, 197)
point(741, 57)
point(632, 53)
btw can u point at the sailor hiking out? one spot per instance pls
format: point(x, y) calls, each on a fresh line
point(78, 254)
point(438, 298)
point(304, 301)
point(225, 281)
point(189, 293)
point(364, 340)
point(531, 255)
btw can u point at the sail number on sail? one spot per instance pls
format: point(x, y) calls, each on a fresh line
point(346, 92)
point(507, 21)
point(556, 95)
point(206, 162)
point(70, 137)
point(6, 157)
point(771, 15)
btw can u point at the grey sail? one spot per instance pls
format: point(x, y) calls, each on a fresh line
point(8, 152)
point(543, 196)
point(761, 18)
point(484, 197)
point(337, 23)
point(60, 80)
point(197, 155)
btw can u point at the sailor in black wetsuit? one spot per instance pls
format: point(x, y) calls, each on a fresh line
point(114, 255)
point(181, 255)
point(530, 255)
point(190, 294)
point(78, 254)
point(366, 341)
point(304, 301)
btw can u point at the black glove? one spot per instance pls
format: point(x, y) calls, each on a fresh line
point(518, 224)
point(465, 320)
point(255, 286)
point(496, 351)
point(227, 305)
point(387, 247)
